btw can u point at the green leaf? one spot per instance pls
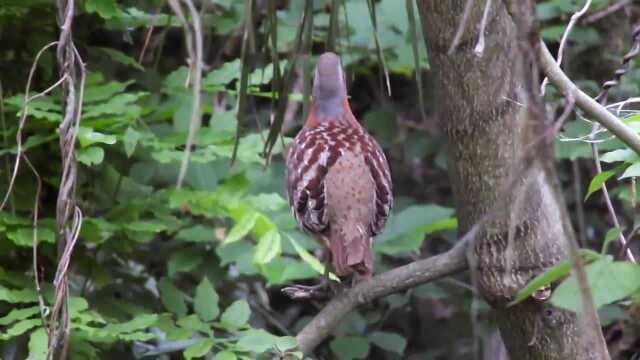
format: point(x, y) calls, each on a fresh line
point(105, 8)
point(256, 340)
point(206, 301)
point(172, 298)
point(633, 170)
point(18, 296)
point(611, 235)
point(122, 58)
point(350, 347)
point(38, 344)
point(554, 273)
point(193, 323)
point(269, 246)
point(102, 92)
point(242, 227)
point(87, 137)
point(140, 322)
point(19, 328)
point(122, 105)
point(217, 78)
point(19, 314)
point(609, 314)
point(77, 304)
point(236, 315)
point(405, 230)
point(267, 202)
point(286, 343)
point(597, 181)
point(24, 236)
point(225, 355)
point(146, 226)
point(97, 230)
point(311, 260)
point(130, 141)
point(388, 341)
point(619, 155)
point(89, 156)
point(196, 233)
point(184, 260)
point(609, 281)
point(198, 349)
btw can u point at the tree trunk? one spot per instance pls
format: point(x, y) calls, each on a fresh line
point(491, 116)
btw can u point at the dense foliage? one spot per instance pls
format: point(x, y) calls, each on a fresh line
point(163, 271)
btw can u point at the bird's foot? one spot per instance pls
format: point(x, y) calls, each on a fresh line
point(321, 291)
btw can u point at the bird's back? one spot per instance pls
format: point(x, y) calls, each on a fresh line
point(338, 179)
point(340, 191)
point(350, 192)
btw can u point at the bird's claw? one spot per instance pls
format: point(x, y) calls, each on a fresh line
point(298, 292)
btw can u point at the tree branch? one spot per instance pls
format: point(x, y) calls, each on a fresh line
point(585, 102)
point(398, 279)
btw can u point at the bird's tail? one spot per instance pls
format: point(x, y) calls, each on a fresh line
point(351, 251)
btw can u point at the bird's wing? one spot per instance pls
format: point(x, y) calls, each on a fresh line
point(379, 167)
point(308, 160)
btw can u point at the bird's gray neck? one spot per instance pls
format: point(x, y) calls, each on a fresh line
point(329, 95)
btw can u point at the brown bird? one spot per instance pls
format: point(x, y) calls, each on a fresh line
point(338, 179)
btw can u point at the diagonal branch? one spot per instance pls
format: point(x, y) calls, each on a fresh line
point(398, 279)
point(585, 102)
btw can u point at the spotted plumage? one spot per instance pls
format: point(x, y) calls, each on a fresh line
point(338, 179)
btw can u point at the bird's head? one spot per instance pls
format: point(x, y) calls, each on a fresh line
point(328, 82)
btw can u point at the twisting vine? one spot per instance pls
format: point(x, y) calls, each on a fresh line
point(68, 214)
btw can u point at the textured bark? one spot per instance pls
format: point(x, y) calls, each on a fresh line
point(483, 104)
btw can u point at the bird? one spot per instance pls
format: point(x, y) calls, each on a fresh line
point(338, 179)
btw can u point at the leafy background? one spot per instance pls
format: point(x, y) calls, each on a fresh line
point(196, 272)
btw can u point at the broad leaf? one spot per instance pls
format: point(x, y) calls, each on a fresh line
point(242, 227)
point(206, 301)
point(554, 273)
point(633, 170)
point(597, 181)
point(198, 349)
point(609, 281)
point(236, 315)
point(388, 341)
point(172, 298)
point(92, 155)
point(350, 347)
point(269, 246)
point(38, 341)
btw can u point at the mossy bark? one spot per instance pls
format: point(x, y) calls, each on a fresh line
point(491, 114)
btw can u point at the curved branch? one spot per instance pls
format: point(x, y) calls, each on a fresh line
point(585, 102)
point(398, 279)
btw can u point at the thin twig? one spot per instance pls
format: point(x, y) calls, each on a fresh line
point(36, 208)
point(5, 143)
point(147, 38)
point(22, 122)
point(577, 192)
point(194, 48)
point(463, 24)
point(478, 50)
point(605, 194)
point(563, 42)
point(606, 12)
